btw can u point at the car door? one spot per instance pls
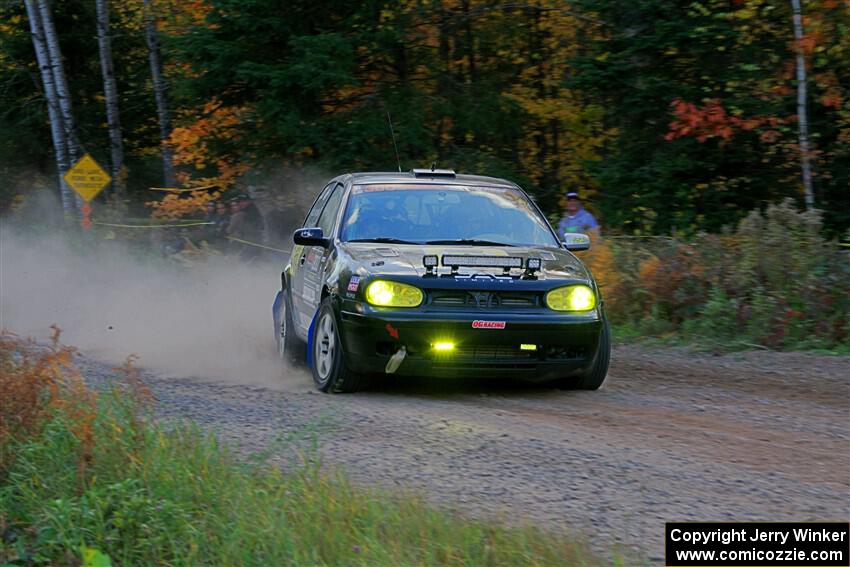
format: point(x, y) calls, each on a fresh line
point(313, 258)
point(297, 260)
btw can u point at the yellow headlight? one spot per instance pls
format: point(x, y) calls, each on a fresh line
point(385, 293)
point(571, 298)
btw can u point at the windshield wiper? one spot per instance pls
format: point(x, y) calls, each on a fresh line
point(467, 241)
point(383, 240)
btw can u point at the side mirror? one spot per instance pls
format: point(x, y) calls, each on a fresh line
point(311, 237)
point(575, 242)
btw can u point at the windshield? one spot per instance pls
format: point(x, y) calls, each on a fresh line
point(443, 214)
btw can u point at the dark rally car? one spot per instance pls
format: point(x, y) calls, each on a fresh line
point(437, 274)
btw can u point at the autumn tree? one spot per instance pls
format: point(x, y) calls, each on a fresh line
point(702, 96)
point(25, 158)
point(668, 115)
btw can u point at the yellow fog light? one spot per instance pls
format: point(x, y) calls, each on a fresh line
point(443, 346)
point(571, 298)
point(385, 293)
point(527, 347)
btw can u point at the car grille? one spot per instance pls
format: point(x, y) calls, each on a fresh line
point(485, 357)
point(499, 354)
point(492, 352)
point(484, 300)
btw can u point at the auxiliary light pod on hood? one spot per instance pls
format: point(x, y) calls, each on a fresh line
point(430, 263)
point(455, 261)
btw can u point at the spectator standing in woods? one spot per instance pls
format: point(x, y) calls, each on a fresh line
point(222, 220)
point(577, 219)
point(209, 231)
point(246, 223)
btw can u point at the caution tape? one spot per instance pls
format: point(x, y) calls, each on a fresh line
point(117, 225)
point(233, 238)
point(629, 236)
point(249, 243)
point(638, 236)
point(148, 219)
point(178, 190)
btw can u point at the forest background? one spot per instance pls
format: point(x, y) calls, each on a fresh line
point(667, 115)
point(711, 138)
point(673, 119)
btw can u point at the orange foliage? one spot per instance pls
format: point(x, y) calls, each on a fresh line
point(600, 260)
point(186, 14)
point(673, 282)
point(808, 43)
point(711, 121)
point(832, 99)
point(40, 382)
point(173, 206)
point(35, 382)
point(131, 378)
point(191, 145)
point(650, 275)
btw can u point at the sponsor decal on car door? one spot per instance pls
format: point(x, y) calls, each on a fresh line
point(316, 259)
point(302, 309)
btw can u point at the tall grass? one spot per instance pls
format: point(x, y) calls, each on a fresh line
point(773, 281)
point(88, 477)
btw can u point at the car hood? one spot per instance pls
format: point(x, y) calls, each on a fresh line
point(404, 259)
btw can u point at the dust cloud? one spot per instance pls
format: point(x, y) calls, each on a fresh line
point(211, 320)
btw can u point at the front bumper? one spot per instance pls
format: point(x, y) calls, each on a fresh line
point(564, 344)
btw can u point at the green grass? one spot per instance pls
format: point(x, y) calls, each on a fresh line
point(135, 492)
point(654, 334)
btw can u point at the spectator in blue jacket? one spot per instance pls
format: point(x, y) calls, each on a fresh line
point(577, 218)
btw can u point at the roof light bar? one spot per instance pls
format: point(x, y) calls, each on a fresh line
point(434, 173)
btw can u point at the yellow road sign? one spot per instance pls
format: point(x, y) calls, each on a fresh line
point(87, 178)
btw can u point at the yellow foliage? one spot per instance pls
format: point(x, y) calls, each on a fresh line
point(174, 17)
point(566, 131)
point(600, 260)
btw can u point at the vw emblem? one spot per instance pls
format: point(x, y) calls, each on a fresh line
point(482, 299)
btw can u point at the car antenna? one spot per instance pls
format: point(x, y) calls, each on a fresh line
point(392, 133)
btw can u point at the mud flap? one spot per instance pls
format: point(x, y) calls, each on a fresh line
point(276, 314)
point(309, 358)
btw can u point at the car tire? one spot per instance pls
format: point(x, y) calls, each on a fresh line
point(289, 347)
point(593, 379)
point(330, 372)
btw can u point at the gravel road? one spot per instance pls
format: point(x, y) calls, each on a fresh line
point(673, 435)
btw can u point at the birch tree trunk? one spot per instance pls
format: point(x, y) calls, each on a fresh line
point(160, 92)
point(802, 116)
point(57, 128)
point(110, 91)
point(58, 70)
